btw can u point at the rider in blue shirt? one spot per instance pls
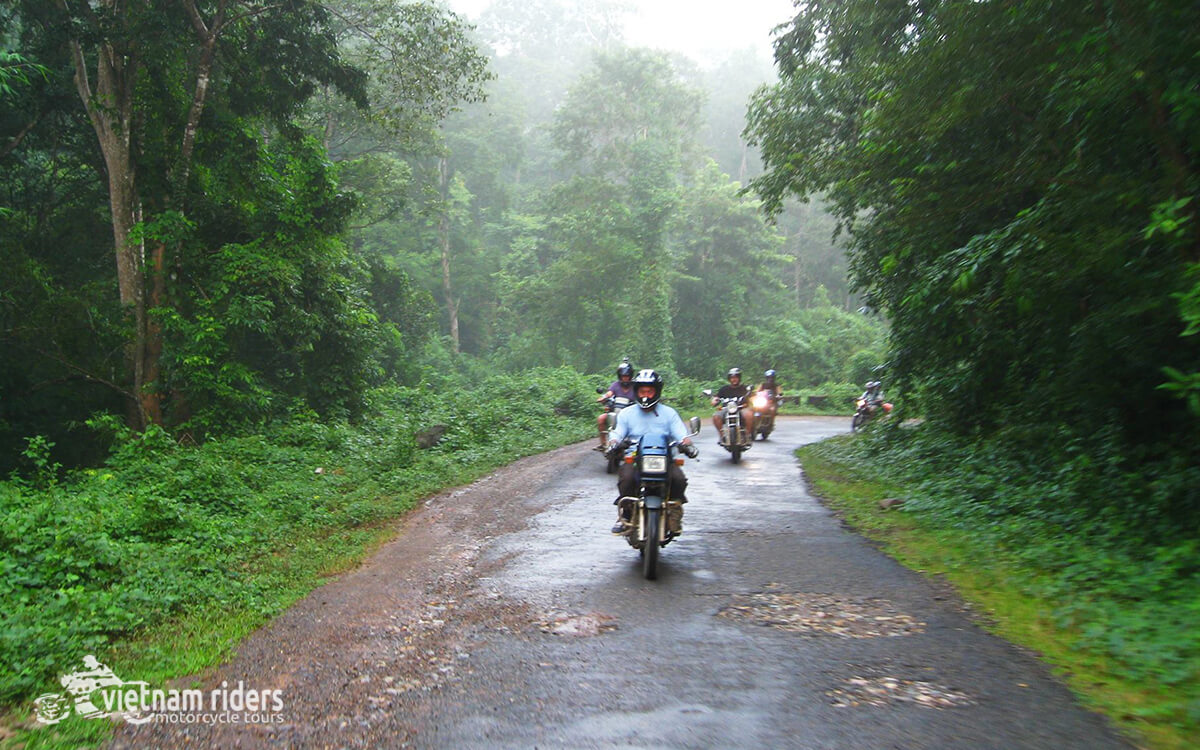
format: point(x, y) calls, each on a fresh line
point(651, 421)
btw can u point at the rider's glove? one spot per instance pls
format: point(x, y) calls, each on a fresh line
point(691, 450)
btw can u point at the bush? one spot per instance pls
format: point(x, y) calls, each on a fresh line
point(1112, 537)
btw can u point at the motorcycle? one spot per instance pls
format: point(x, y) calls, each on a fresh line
point(868, 406)
point(657, 518)
point(765, 404)
point(614, 404)
point(734, 437)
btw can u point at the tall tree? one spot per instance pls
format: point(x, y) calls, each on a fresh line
point(1002, 169)
point(144, 74)
point(632, 122)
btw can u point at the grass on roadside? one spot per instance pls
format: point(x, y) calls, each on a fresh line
point(1002, 593)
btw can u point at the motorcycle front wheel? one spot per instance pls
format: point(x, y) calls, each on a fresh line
point(857, 421)
point(650, 545)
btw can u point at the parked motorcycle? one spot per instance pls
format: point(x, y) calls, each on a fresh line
point(869, 405)
point(765, 404)
point(614, 405)
point(734, 437)
point(657, 518)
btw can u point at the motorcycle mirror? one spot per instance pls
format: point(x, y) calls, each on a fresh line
point(707, 391)
point(694, 423)
point(599, 389)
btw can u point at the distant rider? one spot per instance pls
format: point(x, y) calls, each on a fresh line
point(770, 385)
point(655, 421)
point(733, 389)
point(874, 394)
point(622, 387)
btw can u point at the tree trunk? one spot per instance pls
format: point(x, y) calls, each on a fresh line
point(444, 239)
point(150, 393)
point(110, 109)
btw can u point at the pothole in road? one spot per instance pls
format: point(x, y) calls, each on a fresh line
point(581, 626)
point(872, 687)
point(822, 614)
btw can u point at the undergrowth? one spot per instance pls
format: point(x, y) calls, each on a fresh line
point(1098, 546)
point(161, 532)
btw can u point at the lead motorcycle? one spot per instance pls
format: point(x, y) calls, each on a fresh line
point(734, 436)
point(614, 405)
point(657, 518)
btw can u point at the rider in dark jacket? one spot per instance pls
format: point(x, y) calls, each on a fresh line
point(733, 389)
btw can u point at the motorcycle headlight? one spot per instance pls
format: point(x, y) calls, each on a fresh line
point(760, 402)
point(861, 403)
point(654, 464)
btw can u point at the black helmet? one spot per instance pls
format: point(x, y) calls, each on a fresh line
point(769, 376)
point(733, 371)
point(648, 377)
point(625, 369)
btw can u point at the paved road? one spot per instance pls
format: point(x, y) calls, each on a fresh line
point(511, 618)
point(691, 659)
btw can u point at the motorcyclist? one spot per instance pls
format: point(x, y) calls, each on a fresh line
point(653, 420)
point(874, 394)
point(733, 389)
point(622, 387)
point(769, 386)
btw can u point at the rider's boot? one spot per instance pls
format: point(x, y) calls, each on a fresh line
point(624, 522)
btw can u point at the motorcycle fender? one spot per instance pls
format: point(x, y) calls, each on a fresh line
point(653, 501)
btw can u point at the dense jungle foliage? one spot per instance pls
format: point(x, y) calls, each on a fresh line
point(243, 239)
point(297, 223)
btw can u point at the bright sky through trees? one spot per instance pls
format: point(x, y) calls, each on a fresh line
point(698, 28)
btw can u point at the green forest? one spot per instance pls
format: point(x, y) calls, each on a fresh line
point(243, 240)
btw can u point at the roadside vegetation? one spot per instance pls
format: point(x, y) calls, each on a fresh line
point(1109, 603)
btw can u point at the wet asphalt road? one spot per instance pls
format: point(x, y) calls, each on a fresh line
point(741, 642)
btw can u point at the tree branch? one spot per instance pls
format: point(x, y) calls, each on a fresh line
point(84, 373)
point(16, 140)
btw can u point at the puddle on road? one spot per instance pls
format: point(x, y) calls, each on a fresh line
point(822, 614)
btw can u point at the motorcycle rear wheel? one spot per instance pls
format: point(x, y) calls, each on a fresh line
point(650, 545)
